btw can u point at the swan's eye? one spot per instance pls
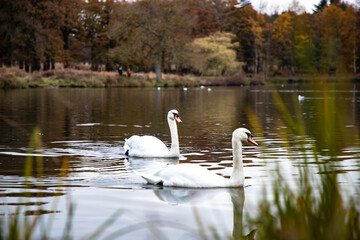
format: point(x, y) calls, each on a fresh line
point(250, 138)
point(249, 134)
point(177, 117)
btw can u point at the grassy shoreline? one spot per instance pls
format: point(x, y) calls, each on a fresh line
point(14, 78)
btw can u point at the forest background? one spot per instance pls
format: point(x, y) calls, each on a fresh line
point(198, 37)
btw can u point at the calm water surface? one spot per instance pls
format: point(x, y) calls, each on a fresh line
point(86, 128)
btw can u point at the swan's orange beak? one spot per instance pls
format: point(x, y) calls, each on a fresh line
point(251, 140)
point(177, 118)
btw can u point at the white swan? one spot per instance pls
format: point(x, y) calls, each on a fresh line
point(194, 176)
point(152, 147)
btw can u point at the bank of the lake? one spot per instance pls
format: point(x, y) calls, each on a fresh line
point(13, 78)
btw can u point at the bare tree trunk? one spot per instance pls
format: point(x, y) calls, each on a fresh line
point(256, 60)
point(27, 66)
point(35, 64)
point(157, 68)
point(354, 55)
point(66, 33)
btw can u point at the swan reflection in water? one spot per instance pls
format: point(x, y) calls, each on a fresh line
point(148, 165)
point(176, 196)
point(135, 165)
point(193, 195)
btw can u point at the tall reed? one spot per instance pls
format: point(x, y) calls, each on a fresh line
point(23, 223)
point(317, 208)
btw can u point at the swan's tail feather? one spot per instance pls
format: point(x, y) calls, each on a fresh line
point(151, 179)
point(126, 147)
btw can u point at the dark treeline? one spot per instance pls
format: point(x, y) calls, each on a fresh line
point(207, 37)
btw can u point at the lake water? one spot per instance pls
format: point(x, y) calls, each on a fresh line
point(86, 128)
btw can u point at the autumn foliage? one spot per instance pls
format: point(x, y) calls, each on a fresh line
point(205, 37)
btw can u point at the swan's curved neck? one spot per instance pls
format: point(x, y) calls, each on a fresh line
point(174, 149)
point(237, 175)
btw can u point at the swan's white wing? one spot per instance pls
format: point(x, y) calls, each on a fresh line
point(152, 179)
point(186, 175)
point(145, 146)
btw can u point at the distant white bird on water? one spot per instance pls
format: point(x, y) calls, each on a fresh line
point(242, 3)
point(301, 98)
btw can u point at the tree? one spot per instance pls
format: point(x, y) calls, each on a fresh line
point(30, 30)
point(329, 20)
point(70, 26)
point(209, 16)
point(8, 23)
point(158, 29)
point(303, 53)
point(244, 24)
point(19, 32)
point(296, 7)
point(348, 35)
point(49, 43)
point(258, 35)
point(303, 49)
point(319, 7)
point(96, 20)
point(282, 41)
point(219, 56)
